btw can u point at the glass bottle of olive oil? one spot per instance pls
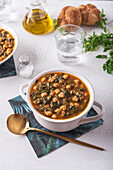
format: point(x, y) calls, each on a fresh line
point(37, 21)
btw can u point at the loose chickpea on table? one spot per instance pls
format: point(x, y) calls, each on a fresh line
point(59, 95)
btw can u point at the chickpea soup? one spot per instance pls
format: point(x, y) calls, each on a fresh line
point(59, 95)
point(7, 43)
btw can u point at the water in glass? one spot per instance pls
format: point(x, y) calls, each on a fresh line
point(69, 45)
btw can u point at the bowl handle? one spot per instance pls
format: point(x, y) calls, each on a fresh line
point(21, 90)
point(93, 118)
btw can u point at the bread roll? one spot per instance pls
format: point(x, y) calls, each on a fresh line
point(90, 14)
point(84, 14)
point(69, 15)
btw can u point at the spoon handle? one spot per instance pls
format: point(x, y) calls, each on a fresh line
point(68, 139)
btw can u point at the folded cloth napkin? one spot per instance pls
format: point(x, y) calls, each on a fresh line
point(44, 144)
point(7, 69)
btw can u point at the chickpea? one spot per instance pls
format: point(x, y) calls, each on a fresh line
point(8, 51)
point(10, 45)
point(43, 79)
point(55, 99)
point(57, 111)
point(68, 87)
point(72, 92)
point(56, 85)
point(82, 107)
point(2, 57)
point(55, 75)
point(61, 95)
point(4, 46)
point(77, 105)
point(2, 43)
point(57, 91)
point(39, 82)
point(85, 101)
point(63, 107)
point(63, 113)
point(48, 113)
point(81, 92)
point(34, 101)
point(75, 99)
point(82, 98)
point(65, 76)
point(3, 31)
point(1, 38)
point(71, 104)
point(81, 86)
point(61, 81)
point(76, 85)
point(77, 93)
point(8, 35)
point(52, 93)
point(85, 94)
point(44, 94)
point(51, 80)
point(35, 87)
point(49, 97)
point(47, 106)
point(76, 81)
point(54, 116)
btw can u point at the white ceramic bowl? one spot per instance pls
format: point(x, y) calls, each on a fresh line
point(67, 124)
point(10, 30)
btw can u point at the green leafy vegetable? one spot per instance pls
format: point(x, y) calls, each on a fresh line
point(102, 21)
point(108, 66)
point(101, 56)
point(55, 21)
point(105, 40)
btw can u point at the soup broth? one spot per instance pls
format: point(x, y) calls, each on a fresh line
point(59, 95)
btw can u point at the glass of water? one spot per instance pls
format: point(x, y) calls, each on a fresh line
point(69, 42)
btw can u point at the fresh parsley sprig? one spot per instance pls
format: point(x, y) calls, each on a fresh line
point(106, 41)
point(108, 66)
point(55, 21)
point(101, 56)
point(102, 21)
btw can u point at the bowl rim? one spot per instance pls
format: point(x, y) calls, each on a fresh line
point(14, 34)
point(81, 77)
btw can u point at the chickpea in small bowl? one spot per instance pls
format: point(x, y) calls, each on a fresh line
point(8, 43)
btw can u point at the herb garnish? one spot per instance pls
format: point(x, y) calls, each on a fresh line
point(101, 56)
point(108, 66)
point(105, 40)
point(55, 21)
point(102, 21)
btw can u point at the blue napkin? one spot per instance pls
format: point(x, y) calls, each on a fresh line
point(44, 144)
point(7, 69)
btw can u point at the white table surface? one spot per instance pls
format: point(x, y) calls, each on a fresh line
point(16, 153)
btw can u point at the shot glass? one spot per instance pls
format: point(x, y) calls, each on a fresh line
point(69, 42)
